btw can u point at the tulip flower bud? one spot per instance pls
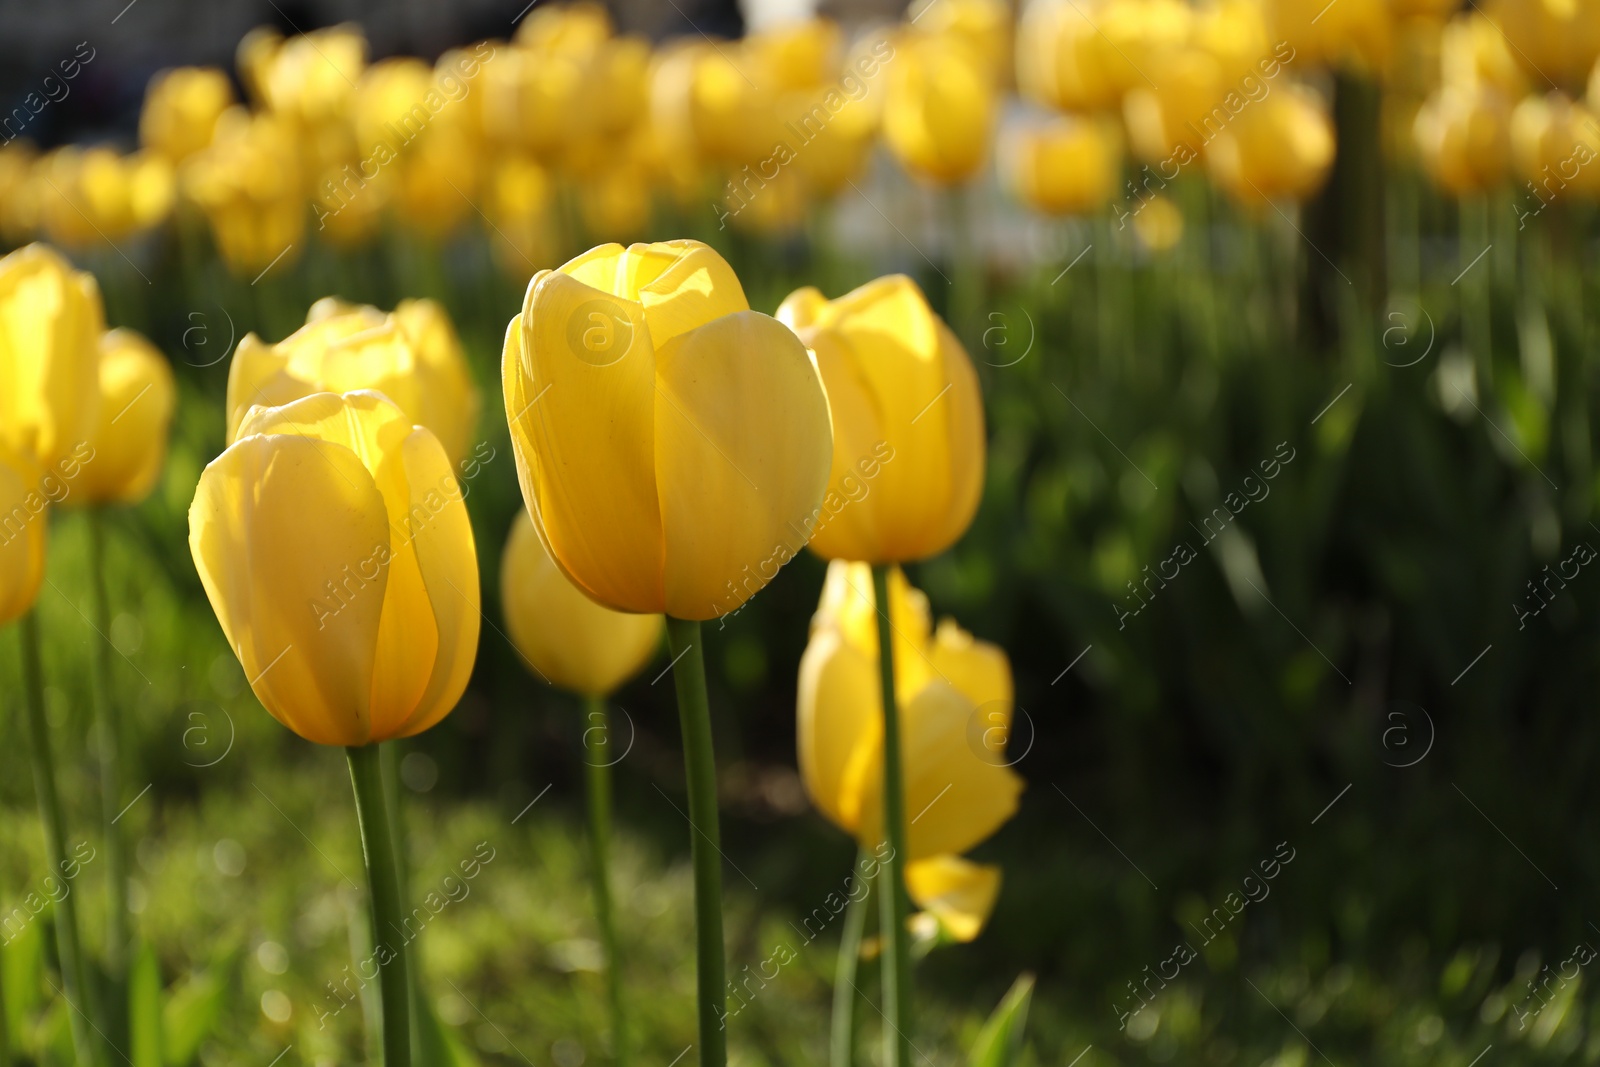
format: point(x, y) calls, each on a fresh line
point(1279, 148)
point(137, 399)
point(671, 442)
point(334, 546)
point(1463, 137)
point(22, 535)
point(908, 454)
point(1063, 166)
point(955, 716)
point(250, 184)
point(939, 109)
point(181, 109)
point(412, 356)
point(571, 641)
point(50, 326)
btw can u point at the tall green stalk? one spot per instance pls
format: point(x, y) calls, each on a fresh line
point(700, 769)
point(893, 904)
point(383, 880)
point(842, 1040)
point(597, 757)
point(110, 734)
point(73, 975)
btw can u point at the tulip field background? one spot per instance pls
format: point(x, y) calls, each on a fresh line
point(1367, 668)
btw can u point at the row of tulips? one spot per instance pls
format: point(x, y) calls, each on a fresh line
point(675, 448)
point(514, 134)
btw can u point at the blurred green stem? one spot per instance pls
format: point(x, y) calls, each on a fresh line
point(966, 281)
point(597, 753)
point(110, 731)
point(1477, 323)
point(892, 901)
point(842, 1044)
point(73, 975)
point(700, 770)
point(383, 879)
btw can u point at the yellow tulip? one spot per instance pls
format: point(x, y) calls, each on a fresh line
point(518, 206)
point(249, 183)
point(1555, 145)
point(1063, 165)
point(984, 26)
point(181, 109)
point(1168, 125)
point(412, 356)
point(951, 690)
point(939, 109)
point(1350, 33)
point(91, 196)
point(802, 54)
point(254, 57)
point(50, 325)
point(1278, 148)
point(908, 454)
point(1553, 39)
point(1473, 51)
point(1158, 224)
point(312, 77)
point(22, 535)
point(137, 398)
point(1463, 137)
point(957, 896)
point(334, 546)
point(577, 29)
point(570, 640)
point(1061, 58)
point(614, 203)
point(644, 396)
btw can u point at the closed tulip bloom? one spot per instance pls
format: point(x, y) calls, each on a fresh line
point(908, 454)
point(570, 640)
point(1061, 58)
point(50, 326)
point(1474, 51)
point(939, 109)
point(984, 26)
point(1280, 148)
point(1555, 145)
point(802, 54)
point(945, 682)
point(670, 441)
point(518, 205)
point(1158, 224)
point(1553, 39)
point(250, 184)
point(412, 356)
point(92, 196)
point(137, 398)
point(181, 109)
point(1357, 34)
point(334, 546)
point(1168, 123)
point(956, 896)
point(311, 77)
point(1463, 137)
point(22, 535)
point(1063, 165)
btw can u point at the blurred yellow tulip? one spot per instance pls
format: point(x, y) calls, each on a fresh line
point(518, 206)
point(22, 535)
point(1473, 51)
point(1158, 223)
point(1166, 123)
point(312, 77)
point(1463, 138)
point(939, 109)
point(181, 109)
point(801, 54)
point(411, 355)
point(92, 196)
point(19, 192)
point(908, 454)
point(983, 26)
point(334, 546)
point(254, 57)
point(1061, 56)
point(669, 440)
point(576, 28)
point(570, 640)
point(615, 202)
point(1355, 34)
point(1278, 149)
point(957, 896)
point(138, 396)
point(250, 184)
point(1062, 165)
point(1552, 39)
point(1555, 146)
point(50, 325)
point(955, 701)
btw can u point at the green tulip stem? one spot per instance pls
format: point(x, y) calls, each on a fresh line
point(383, 878)
point(73, 975)
point(597, 757)
point(842, 1041)
point(893, 905)
point(700, 769)
point(394, 803)
point(110, 737)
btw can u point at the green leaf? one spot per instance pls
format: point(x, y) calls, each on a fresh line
point(1000, 1041)
point(144, 1009)
point(22, 958)
point(438, 1043)
point(192, 1013)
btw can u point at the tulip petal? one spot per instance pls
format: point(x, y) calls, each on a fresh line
point(979, 670)
point(840, 725)
point(447, 561)
point(23, 529)
point(858, 441)
point(743, 447)
point(274, 521)
point(692, 285)
point(259, 376)
point(958, 893)
point(580, 394)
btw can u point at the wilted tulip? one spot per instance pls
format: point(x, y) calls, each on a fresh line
point(1062, 165)
point(908, 453)
point(954, 696)
point(1278, 148)
point(22, 535)
point(137, 398)
point(939, 109)
point(645, 397)
point(333, 543)
point(411, 355)
point(249, 183)
point(957, 896)
point(570, 640)
point(50, 325)
point(1463, 138)
point(181, 109)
